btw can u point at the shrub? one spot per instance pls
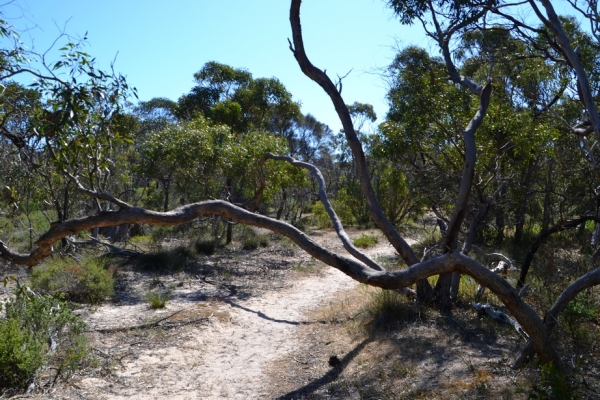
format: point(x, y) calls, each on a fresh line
point(86, 281)
point(206, 247)
point(252, 242)
point(165, 260)
point(365, 241)
point(321, 219)
point(387, 309)
point(38, 330)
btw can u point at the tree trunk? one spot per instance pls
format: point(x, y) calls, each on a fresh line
point(282, 205)
point(166, 182)
point(547, 198)
point(500, 218)
point(525, 185)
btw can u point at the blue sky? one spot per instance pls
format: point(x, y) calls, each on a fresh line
point(160, 44)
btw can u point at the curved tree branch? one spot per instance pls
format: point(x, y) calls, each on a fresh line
point(466, 182)
point(553, 24)
point(337, 224)
point(444, 283)
point(321, 78)
point(588, 280)
point(450, 262)
point(561, 226)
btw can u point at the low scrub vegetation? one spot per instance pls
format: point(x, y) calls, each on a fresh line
point(205, 246)
point(164, 261)
point(39, 337)
point(87, 280)
point(252, 241)
point(365, 241)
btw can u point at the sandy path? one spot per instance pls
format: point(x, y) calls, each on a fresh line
point(262, 330)
point(225, 359)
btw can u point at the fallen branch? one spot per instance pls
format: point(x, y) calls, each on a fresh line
point(154, 324)
point(500, 316)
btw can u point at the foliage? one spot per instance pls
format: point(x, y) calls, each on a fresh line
point(252, 241)
point(365, 241)
point(205, 246)
point(157, 299)
point(174, 259)
point(87, 280)
point(553, 385)
point(321, 219)
point(38, 331)
point(387, 310)
point(181, 155)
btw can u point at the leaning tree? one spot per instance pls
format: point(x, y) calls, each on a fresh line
point(60, 131)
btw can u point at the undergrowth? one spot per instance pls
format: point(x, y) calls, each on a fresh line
point(87, 280)
point(157, 299)
point(365, 241)
point(164, 261)
point(40, 339)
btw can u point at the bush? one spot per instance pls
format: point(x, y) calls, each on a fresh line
point(206, 247)
point(365, 241)
point(321, 219)
point(38, 330)
point(252, 242)
point(387, 310)
point(165, 260)
point(86, 281)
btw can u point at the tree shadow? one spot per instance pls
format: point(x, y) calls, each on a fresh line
point(329, 377)
point(260, 314)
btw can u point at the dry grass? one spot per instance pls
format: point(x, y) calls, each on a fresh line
point(392, 349)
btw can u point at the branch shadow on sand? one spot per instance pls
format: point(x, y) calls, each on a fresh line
point(260, 313)
point(329, 377)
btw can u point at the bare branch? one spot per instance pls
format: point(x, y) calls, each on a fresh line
point(495, 255)
point(450, 262)
point(588, 280)
point(500, 316)
point(561, 226)
point(478, 218)
point(326, 84)
point(337, 224)
point(553, 23)
point(97, 195)
point(466, 182)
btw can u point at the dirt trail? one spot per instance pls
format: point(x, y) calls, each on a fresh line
point(224, 359)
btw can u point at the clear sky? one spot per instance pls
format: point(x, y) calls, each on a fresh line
point(159, 45)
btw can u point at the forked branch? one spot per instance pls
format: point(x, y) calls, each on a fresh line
point(337, 224)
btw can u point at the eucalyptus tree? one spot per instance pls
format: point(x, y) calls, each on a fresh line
point(446, 22)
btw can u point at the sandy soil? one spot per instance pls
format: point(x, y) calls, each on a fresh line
point(218, 348)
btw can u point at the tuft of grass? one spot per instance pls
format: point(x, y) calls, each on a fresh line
point(158, 299)
point(365, 241)
point(87, 280)
point(165, 260)
point(310, 266)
